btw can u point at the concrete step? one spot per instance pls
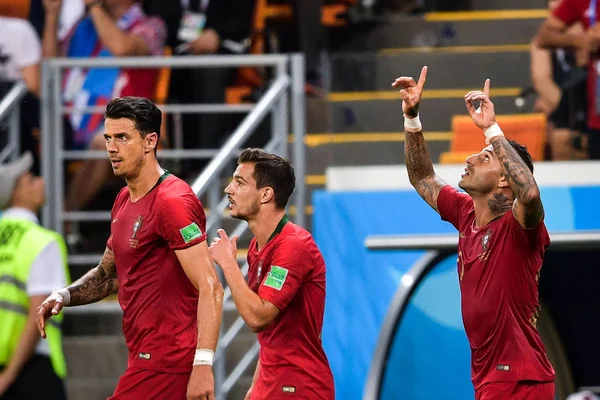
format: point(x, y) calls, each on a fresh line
point(442, 29)
point(374, 153)
point(101, 357)
point(78, 322)
point(239, 390)
point(96, 363)
point(381, 111)
point(90, 388)
point(448, 67)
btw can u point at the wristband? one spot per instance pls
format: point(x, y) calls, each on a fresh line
point(65, 294)
point(412, 124)
point(204, 357)
point(491, 132)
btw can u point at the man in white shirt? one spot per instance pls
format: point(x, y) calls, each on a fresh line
point(20, 57)
point(32, 263)
point(20, 53)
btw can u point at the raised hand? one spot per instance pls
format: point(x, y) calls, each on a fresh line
point(483, 116)
point(223, 249)
point(410, 92)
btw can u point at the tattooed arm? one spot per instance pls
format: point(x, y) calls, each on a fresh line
point(95, 285)
point(420, 169)
point(527, 208)
point(418, 160)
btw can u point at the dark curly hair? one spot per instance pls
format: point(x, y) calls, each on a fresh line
point(523, 153)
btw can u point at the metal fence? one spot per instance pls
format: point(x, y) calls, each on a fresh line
point(10, 110)
point(285, 89)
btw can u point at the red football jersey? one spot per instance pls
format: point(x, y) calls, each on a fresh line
point(290, 273)
point(570, 12)
point(158, 300)
point(498, 269)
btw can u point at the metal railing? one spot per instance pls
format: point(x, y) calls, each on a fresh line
point(286, 87)
point(10, 109)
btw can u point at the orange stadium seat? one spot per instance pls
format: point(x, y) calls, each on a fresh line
point(527, 129)
point(15, 8)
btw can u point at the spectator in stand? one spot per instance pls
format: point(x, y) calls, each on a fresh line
point(561, 89)
point(111, 28)
point(554, 33)
point(170, 12)
point(308, 39)
point(209, 27)
point(71, 12)
point(20, 53)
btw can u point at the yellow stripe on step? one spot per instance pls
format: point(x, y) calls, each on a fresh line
point(485, 15)
point(308, 210)
point(315, 179)
point(337, 97)
point(315, 140)
point(458, 49)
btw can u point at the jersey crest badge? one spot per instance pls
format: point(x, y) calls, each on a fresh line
point(259, 271)
point(137, 224)
point(485, 245)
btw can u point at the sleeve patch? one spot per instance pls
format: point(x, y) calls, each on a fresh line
point(276, 277)
point(190, 232)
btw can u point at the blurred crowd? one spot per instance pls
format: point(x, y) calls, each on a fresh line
point(40, 29)
point(559, 81)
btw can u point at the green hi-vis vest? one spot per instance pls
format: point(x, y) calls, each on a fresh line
point(21, 241)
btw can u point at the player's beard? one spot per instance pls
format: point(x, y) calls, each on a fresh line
point(476, 185)
point(249, 213)
point(130, 171)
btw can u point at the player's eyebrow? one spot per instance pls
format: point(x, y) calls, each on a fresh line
point(489, 151)
point(118, 134)
point(239, 177)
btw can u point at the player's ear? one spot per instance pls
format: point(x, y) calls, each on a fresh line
point(266, 194)
point(150, 142)
point(503, 183)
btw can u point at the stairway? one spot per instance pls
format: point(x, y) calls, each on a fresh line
point(358, 123)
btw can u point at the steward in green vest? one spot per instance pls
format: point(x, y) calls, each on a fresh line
point(33, 260)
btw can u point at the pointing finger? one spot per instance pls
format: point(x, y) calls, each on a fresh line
point(422, 78)
point(486, 87)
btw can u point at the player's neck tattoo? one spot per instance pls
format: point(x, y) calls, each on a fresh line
point(499, 204)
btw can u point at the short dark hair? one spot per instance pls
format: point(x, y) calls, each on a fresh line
point(146, 116)
point(271, 170)
point(522, 151)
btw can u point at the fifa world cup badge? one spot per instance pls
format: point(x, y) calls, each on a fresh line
point(137, 224)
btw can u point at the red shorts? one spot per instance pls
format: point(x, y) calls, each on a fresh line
point(137, 384)
point(516, 391)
